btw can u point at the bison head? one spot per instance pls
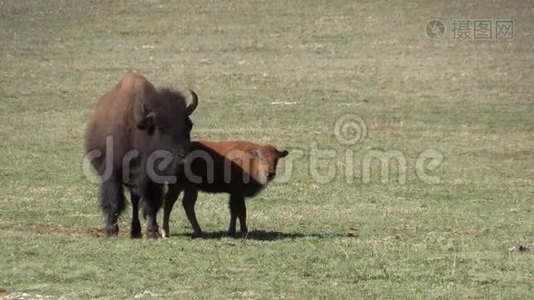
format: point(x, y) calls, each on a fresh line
point(166, 119)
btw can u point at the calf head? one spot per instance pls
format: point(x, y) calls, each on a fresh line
point(267, 161)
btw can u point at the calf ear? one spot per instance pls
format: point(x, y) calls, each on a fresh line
point(283, 153)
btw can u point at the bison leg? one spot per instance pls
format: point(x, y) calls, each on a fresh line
point(170, 198)
point(237, 210)
point(153, 199)
point(135, 230)
point(189, 200)
point(112, 203)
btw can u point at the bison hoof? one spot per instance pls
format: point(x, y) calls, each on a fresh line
point(136, 235)
point(165, 232)
point(112, 230)
point(153, 234)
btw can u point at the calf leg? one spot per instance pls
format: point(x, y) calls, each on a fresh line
point(190, 198)
point(237, 210)
point(135, 230)
point(242, 215)
point(231, 228)
point(153, 199)
point(170, 198)
point(112, 203)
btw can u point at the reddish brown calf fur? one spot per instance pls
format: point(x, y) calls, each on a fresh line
point(238, 168)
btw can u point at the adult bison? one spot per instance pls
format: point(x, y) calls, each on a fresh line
point(137, 135)
point(241, 169)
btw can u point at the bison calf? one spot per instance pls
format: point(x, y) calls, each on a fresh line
point(238, 168)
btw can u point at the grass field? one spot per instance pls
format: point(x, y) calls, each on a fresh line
point(280, 72)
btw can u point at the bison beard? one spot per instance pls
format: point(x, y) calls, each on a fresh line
point(140, 120)
point(239, 168)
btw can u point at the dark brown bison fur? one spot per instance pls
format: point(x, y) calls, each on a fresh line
point(238, 168)
point(138, 119)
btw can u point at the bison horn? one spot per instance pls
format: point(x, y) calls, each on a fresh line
point(194, 102)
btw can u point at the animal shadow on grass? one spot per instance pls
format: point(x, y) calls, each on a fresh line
point(262, 235)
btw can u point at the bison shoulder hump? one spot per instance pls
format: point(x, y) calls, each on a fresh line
point(136, 83)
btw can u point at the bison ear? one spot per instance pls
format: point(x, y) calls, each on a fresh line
point(283, 153)
point(147, 123)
